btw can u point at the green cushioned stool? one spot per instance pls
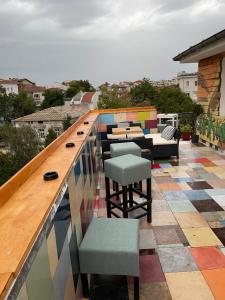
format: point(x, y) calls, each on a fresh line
point(110, 247)
point(127, 170)
point(118, 149)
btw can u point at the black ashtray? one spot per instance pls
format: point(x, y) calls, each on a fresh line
point(80, 132)
point(70, 145)
point(86, 123)
point(50, 176)
point(128, 128)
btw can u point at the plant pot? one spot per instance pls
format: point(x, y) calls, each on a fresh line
point(194, 138)
point(186, 136)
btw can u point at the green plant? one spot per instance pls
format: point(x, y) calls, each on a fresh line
point(196, 112)
point(185, 128)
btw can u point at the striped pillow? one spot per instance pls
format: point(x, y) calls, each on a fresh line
point(168, 132)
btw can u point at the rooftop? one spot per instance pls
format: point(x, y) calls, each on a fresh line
point(182, 250)
point(213, 45)
point(56, 113)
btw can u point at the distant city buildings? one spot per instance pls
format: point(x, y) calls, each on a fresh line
point(187, 82)
point(164, 83)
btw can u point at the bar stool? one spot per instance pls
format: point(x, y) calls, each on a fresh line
point(118, 149)
point(110, 247)
point(127, 170)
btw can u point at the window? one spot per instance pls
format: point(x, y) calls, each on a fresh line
point(187, 83)
point(57, 130)
point(188, 94)
point(40, 122)
point(196, 82)
point(41, 133)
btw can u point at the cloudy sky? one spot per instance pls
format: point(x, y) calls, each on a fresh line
point(102, 40)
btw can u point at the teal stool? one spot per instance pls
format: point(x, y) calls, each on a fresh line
point(127, 170)
point(118, 149)
point(110, 247)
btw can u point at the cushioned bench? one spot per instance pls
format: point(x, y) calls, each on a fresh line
point(163, 147)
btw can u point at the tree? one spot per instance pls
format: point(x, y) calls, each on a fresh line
point(50, 137)
point(23, 144)
point(52, 98)
point(2, 89)
point(79, 85)
point(7, 167)
point(73, 90)
point(143, 94)
point(22, 104)
point(67, 123)
point(173, 100)
point(13, 106)
point(109, 99)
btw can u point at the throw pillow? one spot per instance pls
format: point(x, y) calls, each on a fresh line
point(168, 132)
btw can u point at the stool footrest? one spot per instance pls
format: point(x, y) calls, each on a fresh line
point(139, 192)
point(139, 205)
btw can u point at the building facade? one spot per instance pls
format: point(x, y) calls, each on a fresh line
point(11, 86)
point(36, 92)
point(210, 56)
point(87, 99)
point(188, 83)
point(49, 118)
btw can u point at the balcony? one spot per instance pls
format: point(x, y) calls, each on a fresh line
point(42, 223)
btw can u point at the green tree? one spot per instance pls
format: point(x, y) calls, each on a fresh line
point(7, 167)
point(67, 122)
point(52, 98)
point(13, 106)
point(73, 90)
point(173, 100)
point(143, 94)
point(109, 99)
point(79, 85)
point(23, 144)
point(22, 104)
point(50, 137)
point(2, 89)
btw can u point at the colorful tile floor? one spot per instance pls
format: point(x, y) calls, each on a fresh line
point(182, 252)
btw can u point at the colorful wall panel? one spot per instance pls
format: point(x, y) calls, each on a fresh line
point(211, 125)
point(148, 120)
point(209, 82)
point(52, 269)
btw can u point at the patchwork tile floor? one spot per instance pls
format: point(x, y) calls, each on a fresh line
point(182, 252)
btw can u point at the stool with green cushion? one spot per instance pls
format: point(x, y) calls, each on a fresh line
point(118, 149)
point(126, 170)
point(110, 247)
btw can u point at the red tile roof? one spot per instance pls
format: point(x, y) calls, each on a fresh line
point(87, 97)
point(8, 81)
point(32, 88)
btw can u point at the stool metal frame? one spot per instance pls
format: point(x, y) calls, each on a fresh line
point(129, 204)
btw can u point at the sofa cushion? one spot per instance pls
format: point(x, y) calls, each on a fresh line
point(158, 140)
point(168, 132)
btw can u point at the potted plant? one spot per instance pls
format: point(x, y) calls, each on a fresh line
point(197, 110)
point(186, 130)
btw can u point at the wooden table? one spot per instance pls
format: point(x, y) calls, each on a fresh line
point(126, 130)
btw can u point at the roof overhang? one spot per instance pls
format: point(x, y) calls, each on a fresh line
point(207, 48)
